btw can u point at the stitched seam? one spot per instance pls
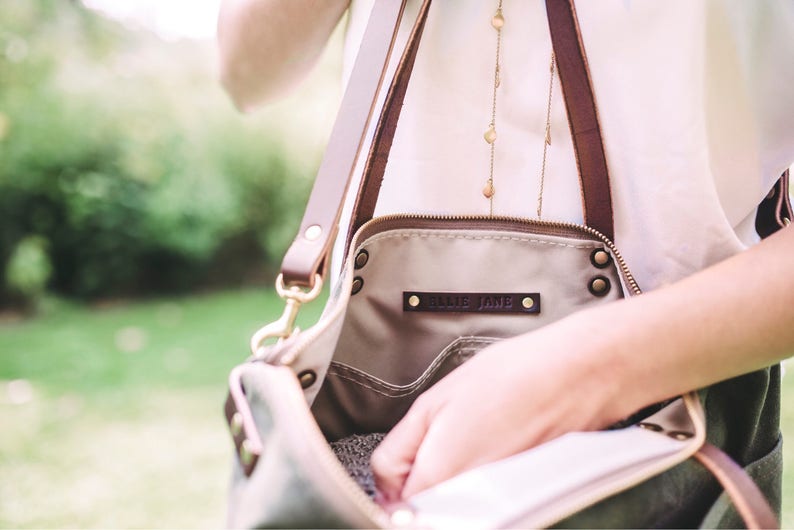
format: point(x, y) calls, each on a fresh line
point(469, 345)
point(382, 393)
point(420, 235)
point(337, 369)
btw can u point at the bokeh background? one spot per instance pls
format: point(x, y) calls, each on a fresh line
point(142, 221)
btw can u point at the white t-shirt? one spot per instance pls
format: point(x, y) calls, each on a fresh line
point(695, 100)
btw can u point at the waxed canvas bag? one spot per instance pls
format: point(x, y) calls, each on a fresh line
point(416, 298)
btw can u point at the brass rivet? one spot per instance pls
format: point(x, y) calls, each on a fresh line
point(307, 378)
point(236, 425)
point(313, 233)
point(358, 283)
point(680, 435)
point(402, 517)
point(786, 221)
point(599, 286)
point(246, 456)
point(361, 259)
point(771, 194)
point(413, 300)
point(600, 258)
point(527, 302)
point(650, 426)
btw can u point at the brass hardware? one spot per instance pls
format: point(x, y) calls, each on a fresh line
point(236, 425)
point(313, 233)
point(246, 456)
point(600, 258)
point(527, 302)
point(307, 378)
point(283, 327)
point(680, 435)
point(650, 426)
point(599, 286)
point(771, 194)
point(358, 283)
point(413, 300)
point(361, 259)
point(786, 221)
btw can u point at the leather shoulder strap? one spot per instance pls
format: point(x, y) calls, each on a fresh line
point(743, 492)
point(580, 105)
point(307, 256)
point(582, 115)
point(308, 253)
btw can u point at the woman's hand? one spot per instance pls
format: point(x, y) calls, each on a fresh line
point(511, 396)
point(596, 367)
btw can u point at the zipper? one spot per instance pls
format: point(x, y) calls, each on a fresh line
point(517, 224)
point(520, 224)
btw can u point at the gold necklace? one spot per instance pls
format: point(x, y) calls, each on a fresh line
point(547, 139)
point(497, 21)
point(488, 191)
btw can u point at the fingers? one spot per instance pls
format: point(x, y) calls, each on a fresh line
point(393, 459)
point(442, 454)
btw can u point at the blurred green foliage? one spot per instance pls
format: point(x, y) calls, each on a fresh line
point(122, 159)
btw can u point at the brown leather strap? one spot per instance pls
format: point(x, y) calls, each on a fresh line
point(582, 117)
point(775, 211)
point(308, 253)
point(743, 492)
point(378, 157)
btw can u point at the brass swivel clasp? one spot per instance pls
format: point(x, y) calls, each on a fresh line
point(284, 327)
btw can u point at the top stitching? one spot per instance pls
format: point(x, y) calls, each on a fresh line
point(474, 238)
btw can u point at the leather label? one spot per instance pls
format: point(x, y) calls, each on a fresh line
point(511, 303)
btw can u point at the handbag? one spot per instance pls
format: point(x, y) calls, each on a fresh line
point(414, 300)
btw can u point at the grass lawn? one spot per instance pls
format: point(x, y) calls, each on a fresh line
point(117, 421)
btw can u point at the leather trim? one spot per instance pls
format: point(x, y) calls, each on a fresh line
point(747, 498)
point(236, 403)
point(775, 211)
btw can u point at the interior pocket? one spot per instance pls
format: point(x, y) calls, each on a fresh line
point(352, 401)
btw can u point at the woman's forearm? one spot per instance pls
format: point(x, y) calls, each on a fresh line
point(732, 318)
point(268, 45)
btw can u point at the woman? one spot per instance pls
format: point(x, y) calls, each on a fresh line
point(697, 127)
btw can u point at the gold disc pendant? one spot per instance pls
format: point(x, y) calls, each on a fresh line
point(498, 21)
point(490, 135)
point(488, 191)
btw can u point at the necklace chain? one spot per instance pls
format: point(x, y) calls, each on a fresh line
point(497, 21)
point(547, 139)
point(490, 136)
